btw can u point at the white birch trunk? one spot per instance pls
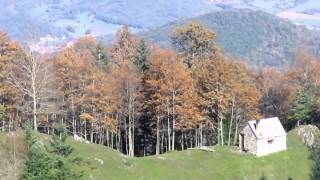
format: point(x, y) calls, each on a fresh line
point(173, 122)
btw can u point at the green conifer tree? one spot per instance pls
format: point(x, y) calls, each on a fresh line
point(61, 152)
point(305, 106)
point(101, 56)
point(39, 164)
point(58, 142)
point(141, 59)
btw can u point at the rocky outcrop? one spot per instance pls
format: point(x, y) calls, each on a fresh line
point(80, 139)
point(309, 134)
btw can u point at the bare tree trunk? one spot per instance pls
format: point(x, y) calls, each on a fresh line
point(85, 130)
point(182, 143)
point(9, 124)
point(91, 134)
point(167, 144)
point(117, 140)
point(34, 95)
point(201, 135)
point(126, 135)
point(120, 144)
point(130, 139)
point(173, 121)
point(73, 117)
point(219, 133)
point(130, 127)
point(102, 136)
point(133, 126)
point(191, 139)
point(118, 132)
point(144, 145)
point(112, 139)
point(162, 139)
point(231, 121)
point(35, 127)
point(235, 139)
point(107, 137)
point(196, 138)
point(158, 138)
point(168, 125)
point(221, 128)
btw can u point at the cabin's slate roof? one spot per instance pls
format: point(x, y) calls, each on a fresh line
point(267, 128)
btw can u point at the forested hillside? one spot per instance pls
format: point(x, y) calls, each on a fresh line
point(255, 36)
point(105, 89)
point(141, 100)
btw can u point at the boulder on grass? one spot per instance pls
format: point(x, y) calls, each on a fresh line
point(309, 134)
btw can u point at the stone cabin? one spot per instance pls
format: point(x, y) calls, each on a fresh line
point(263, 137)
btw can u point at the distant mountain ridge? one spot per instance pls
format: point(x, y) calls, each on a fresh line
point(46, 24)
point(304, 12)
point(74, 18)
point(259, 38)
point(68, 19)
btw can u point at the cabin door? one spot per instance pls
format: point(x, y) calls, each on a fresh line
point(242, 142)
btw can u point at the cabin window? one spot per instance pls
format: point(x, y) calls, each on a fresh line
point(270, 141)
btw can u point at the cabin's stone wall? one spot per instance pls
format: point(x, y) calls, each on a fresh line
point(250, 141)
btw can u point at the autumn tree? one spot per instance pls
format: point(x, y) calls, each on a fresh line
point(224, 85)
point(277, 93)
point(127, 82)
point(31, 75)
point(215, 83)
point(303, 70)
point(127, 79)
point(125, 48)
point(171, 95)
point(68, 66)
point(194, 42)
point(245, 100)
point(287, 93)
point(10, 97)
point(84, 83)
point(89, 47)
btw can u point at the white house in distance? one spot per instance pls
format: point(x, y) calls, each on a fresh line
point(263, 137)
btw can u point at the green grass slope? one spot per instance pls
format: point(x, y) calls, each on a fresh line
point(100, 163)
point(222, 163)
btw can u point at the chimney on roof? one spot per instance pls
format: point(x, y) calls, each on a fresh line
point(256, 124)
